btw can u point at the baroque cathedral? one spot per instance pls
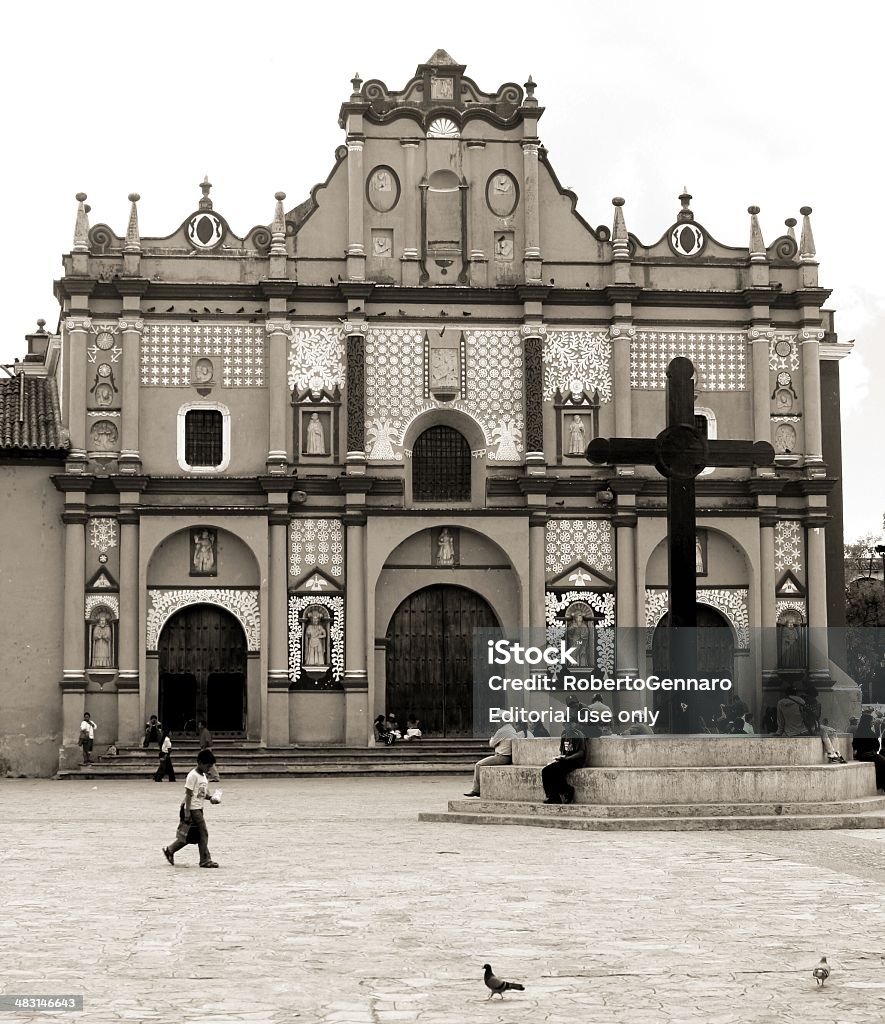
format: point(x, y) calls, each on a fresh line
point(275, 479)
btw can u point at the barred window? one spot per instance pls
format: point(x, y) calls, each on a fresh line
point(441, 466)
point(203, 437)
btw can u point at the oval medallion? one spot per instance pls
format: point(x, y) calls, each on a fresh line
point(502, 193)
point(382, 189)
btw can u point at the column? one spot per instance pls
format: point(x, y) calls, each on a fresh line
point(537, 574)
point(411, 217)
point(356, 680)
point(622, 338)
point(276, 730)
point(768, 604)
point(628, 634)
point(533, 353)
point(818, 647)
point(760, 342)
point(477, 199)
point(129, 708)
point(78, 328)
point(278, 387)
point(355, 385)
point(810, 348)
point(532, 258)
point(73, 683)
point(356, 249)
point(130, 452)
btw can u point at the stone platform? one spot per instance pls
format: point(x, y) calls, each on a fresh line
point(682, 783)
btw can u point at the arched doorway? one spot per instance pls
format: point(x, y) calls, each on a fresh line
point(202, 665)
point(715, 660)
point(429, 664)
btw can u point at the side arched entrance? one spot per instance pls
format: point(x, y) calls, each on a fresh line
point(429, 660)
point(202, 671)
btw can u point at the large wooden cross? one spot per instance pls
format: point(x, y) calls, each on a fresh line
point(680, 452)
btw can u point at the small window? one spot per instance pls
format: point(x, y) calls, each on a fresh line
point(441, 466)
point(702, 425)
point(203, 437)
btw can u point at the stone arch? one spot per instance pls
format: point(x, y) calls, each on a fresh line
point(468, 427)
point(169, 561)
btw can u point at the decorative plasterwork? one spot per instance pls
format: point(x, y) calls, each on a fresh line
point(574, 540)
point(109, 601)
point(316, 543)
point(720, 360)
point(788, 546)
point(243, 604)
point(335, 606)
point(168, 352)
point(395, 390)
point(783, 353)
point(601, 603)
point(790, 604)
point(733, 602)
point(578, 361)
point(316, 358)
point(103, 533)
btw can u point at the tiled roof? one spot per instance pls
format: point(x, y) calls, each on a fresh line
point(40, 429)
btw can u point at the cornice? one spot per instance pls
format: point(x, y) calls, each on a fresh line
point(623, 293)
point(131, 285)
point(277, 289)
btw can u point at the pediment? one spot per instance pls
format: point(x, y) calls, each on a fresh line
point(102, 581)
point(580, 575)
point(316, 582)
point(789, 586)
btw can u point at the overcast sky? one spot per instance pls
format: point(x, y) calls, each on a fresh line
point(776, 104)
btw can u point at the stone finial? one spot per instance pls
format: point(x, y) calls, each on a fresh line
point(807, 251)
point(356, 84)
point(133, 239)
point(81, 227)
point(757, 244)
point(205, 186)
point(685, 213)
point(791, 227)
point(530, 87)
point(41, 323)
point(278, 230)
point(620, 248)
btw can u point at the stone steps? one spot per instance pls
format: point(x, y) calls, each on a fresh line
point(276, 769)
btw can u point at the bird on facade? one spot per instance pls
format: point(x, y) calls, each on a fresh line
point(442, 312)
point(170, 309)
point(242, 309)
point(191, 309)
point(401, 312)
point(496, 985)
point(821, 972)
point(150, 309)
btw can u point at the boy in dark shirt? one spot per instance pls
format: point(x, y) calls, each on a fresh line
point(572, 754)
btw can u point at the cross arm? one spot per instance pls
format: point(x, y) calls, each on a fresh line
point(626, 451)
point(737, 454)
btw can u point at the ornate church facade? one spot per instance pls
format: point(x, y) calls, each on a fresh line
point(278, 478)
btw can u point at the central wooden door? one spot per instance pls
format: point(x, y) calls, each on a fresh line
point(202, 655)
point(430, 658)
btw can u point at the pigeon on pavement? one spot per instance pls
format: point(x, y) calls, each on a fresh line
point(497, 985)
point(822, 971)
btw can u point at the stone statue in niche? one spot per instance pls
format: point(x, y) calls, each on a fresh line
point(101, 642)
point(577, 436)
point(783, 400)
point(444, 368)
point(445, 548)
point(315, 636)
point(579, 634)
point(504, 245)
point(104, 436)
point(790, 639)
point(785, 439)
point(315, 436)
point(204, 553)
point(104, 395)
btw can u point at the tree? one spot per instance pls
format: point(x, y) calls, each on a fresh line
point(865, 616)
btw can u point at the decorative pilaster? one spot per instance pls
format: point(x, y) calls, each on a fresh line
point(355, 338)
point(277, 731)
point(411, 200)
point(760, 344)
point(533, 353)
point(622, 338)
point(129, 707)
point(818, 646)
point(537, 570)
point(74, 643)
point(130, 451)
point(810, 348)
point(77, 328)
point(356, 249)
point(768, 604)
point(626, 603)
point(356, 680)
point(277, 434)
point(475, 148)
point(532, 257)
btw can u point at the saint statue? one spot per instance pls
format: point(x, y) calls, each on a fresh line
point(102, 645)
point(445, 549)
point(316, 438)
point(790, 637)
point(315, 641)
point(699, 566)
point(580, 636)
point(204, 551)
point(577, 436)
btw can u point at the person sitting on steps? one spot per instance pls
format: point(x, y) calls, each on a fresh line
point(572, 754)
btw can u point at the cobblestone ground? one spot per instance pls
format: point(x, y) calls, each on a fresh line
point(334, 904)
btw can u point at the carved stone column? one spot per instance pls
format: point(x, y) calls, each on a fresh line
point(276, 732)
point(629, 632)
point(130, 453)
point(810, 348)
point(78, 328)
point(475, 148)
point(760, 342)
point(277, 377)
point(537, 573)
point(355, 341)
point(411, 199)
point(622, 338)
point(532, 257)
point(356, 679)
point(73, 683)
point(818, 645)
point(129, 706)
point(768, 604)
point(533, 358)
point(356, 249)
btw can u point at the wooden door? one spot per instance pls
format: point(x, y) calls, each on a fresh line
point(202, 654)
point(430, 658)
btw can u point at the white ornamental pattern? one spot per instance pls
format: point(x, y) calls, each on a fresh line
point(601, 603)
point(720, 360)
point(103, 533)
point(243, 604)
point(733, 602)
point(109, 601)
point(783, 353)
point(335, 607)
point(395, 390)
point(316, 358)
point(790, 604)
point(574, 540)
point(316, 543)
point(788, 546)
point(577, 361)
point(169, 350)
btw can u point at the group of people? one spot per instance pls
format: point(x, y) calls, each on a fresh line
point(388, 731)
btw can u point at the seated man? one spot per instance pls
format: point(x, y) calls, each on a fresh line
point(502, 744)
point(153, 731)
point(382, 733)
point(572, 754)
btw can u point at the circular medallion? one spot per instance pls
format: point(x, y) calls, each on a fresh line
point(382, 189)
point(204, 370)
point(784, 379)
point(205, 230)
point(103, 558)
point(686, 240)
point(502, 193)
point(783, 347)
point(105, 340)
point(104, 370)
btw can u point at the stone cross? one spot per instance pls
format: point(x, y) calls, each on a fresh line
point(680, 452)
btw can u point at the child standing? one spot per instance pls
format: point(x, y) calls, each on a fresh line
point(165, 766)
point(196, 792)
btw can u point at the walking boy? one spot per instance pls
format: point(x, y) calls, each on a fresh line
point(165, 767)
point(196, 792)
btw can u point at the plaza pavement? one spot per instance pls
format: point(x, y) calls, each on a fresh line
point(334, 904)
